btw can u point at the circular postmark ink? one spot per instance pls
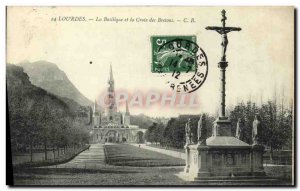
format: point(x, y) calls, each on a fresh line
point(185, 62)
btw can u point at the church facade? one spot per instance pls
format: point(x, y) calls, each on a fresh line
point(111, 125)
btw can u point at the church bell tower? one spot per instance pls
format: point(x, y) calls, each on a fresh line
point(112, 109)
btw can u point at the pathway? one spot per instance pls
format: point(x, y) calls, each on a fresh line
point(92, 158)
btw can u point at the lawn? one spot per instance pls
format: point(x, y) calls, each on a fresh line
point(115, 175)
point(283, 172)
point(110, 175)
point(182, 150)
point(128, 155)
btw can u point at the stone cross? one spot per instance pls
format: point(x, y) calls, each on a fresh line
point(223, 30)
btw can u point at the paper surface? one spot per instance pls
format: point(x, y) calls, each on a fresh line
point(84, 54)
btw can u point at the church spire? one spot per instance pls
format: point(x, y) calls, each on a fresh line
point(111, 81)
point(111, 90)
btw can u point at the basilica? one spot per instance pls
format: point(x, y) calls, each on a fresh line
point(111, 125)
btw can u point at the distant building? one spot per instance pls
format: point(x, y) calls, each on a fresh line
point(109, 125)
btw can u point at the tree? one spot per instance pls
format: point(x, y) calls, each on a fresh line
point(174, 132)
point(276, 123)
point(277, 128)
point(154, 133)
point(140, 137)
point(246, 113)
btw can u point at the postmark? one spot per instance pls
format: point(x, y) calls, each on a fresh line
point(181, 61)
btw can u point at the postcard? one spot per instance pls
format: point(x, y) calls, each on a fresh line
point(144, 96)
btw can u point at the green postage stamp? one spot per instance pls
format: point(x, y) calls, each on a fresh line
point(170, 53)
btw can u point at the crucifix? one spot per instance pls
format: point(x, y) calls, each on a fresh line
point(223, 30)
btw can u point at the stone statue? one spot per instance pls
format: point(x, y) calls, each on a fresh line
point(202, 130)
point(193, 137)
point(238, 129)
point(188, 135)
point(199, 127)
point(256, 127)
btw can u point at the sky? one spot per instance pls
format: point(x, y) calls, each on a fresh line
point(260, 56)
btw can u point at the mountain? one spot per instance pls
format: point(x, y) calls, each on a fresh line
point(23, 96)
point(48, 76)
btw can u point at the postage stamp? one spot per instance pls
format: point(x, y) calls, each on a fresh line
point(182, 59)
point(164, 58)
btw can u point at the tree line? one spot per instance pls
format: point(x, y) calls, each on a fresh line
point(173, 133)
point(38, 118)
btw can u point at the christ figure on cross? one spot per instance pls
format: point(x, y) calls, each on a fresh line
point(223, 32)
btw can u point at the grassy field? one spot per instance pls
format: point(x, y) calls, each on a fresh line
point(167, 148)
point(107, 176)
point(128, 155)
point(116, 175)
point(282, 172)
point(130, 165)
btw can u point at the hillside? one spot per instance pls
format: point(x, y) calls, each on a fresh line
point(23, 96)
point(142, 121)
point(48, 76)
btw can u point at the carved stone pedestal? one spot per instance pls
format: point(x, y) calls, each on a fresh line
point(257, 160)
point(197, 161)
point(224, 157)
point(187, 158)
point(222, 127)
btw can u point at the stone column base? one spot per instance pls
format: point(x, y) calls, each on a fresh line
point(187, 159)
point(257, 160)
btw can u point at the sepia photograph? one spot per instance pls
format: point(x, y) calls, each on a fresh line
point(150, 96)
